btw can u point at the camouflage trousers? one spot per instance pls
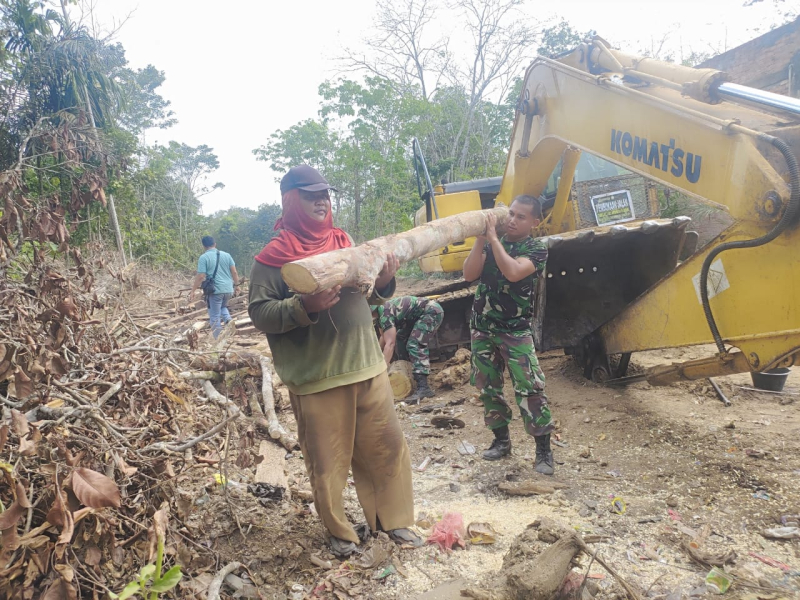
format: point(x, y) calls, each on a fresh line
point(415, 341)
point(491, 353)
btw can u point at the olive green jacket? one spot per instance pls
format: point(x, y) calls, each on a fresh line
point(318, 351)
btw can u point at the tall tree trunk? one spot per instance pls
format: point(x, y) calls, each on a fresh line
point(112, 207)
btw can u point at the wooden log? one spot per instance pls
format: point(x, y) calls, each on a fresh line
point(184, 335)
point(274, 427)
point(215, 376)
point(226, 361)
point(529, 488)
point(543, 578)
point(452, 377)
point(271, 469)
point(401, 379)
point(461, 356)
point(359, 266)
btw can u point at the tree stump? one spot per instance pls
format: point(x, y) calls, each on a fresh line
point(401, 379)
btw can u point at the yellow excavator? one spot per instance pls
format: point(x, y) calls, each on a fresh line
point(619, 279)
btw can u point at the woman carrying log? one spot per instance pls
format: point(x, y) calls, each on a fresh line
point(325, 351)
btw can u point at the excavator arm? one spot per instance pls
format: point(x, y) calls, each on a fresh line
point(679, 127)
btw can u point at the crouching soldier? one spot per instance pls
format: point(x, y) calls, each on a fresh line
point(408, 324)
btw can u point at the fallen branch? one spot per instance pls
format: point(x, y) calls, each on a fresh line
point(216, 583)
point(529, 488)
point(225, 361)
point(214, 375)
point(631, 592)
point(274, 427)
point(359, 266)
point(167, 447)
point(110, 392)
point(213, 395)
point(154, 349)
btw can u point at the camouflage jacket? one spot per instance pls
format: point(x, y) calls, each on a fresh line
point(401, 312)
point(501, 305)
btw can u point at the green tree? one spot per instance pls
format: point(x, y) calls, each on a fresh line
point(559, 38)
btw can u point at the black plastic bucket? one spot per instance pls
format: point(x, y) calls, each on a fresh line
point(772, 380)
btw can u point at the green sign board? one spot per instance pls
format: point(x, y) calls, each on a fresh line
point(614, 207)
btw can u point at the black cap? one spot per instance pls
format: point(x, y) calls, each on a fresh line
point(303, 177)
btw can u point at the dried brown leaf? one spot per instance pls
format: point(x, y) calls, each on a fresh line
point(6, 369)
point(19, 423)
point(161, 521)
point(60, 590)
point(10, 516)
point(3, 436)
point(26, 447)
point(125, 467)
point(57, 366)
point(93, 556)
point(21, 496)
point(23, 386)
point(56, 515)
point(65, 571)
point(94, 489)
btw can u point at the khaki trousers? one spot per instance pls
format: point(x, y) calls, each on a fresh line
point(356, 426)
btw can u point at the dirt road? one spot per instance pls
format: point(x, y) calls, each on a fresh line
point(676, 456)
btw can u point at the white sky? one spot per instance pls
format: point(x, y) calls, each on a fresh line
point(238, 71)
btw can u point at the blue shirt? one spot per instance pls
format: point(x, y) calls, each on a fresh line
point(223, 282)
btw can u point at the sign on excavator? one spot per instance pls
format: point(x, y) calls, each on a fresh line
point(613, 207)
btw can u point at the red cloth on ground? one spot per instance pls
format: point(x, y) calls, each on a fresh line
point(300, 236)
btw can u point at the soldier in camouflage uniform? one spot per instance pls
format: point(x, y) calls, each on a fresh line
point(509, 268)
point(408, 324)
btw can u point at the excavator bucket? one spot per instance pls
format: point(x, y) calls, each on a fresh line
point(593, 274)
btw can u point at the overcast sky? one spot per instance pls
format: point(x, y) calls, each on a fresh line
point(238, 71)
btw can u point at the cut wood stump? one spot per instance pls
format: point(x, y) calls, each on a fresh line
point(542, 579)
point(401, 379)
point(453, 377)
point(529, 488)
point(359, 266)
point(271, 469)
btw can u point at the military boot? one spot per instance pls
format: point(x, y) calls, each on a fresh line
point(423, 390)
point(544, 455)
point(501, 446)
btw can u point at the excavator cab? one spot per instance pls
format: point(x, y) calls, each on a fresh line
point(606, 247)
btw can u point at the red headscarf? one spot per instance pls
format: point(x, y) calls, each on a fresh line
point(300, 235)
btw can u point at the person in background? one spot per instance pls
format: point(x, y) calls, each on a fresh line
point(501, 333)
point(408, 324)
point(325, 350)
point(219, 266)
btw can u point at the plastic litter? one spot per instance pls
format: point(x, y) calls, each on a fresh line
point(782, 533)
point(618, 506)
point(771, 562)
point(449, 532)
point(266, 493)
point(718, 581)
point(390, 570)
point(761, 495)
point(465, 448)
point(481, 533)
